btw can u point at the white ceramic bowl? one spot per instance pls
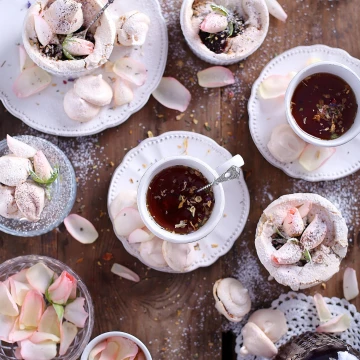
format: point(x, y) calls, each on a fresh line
point(252, 37)
point(102, 337)
point(333, 68)
point(104, 41)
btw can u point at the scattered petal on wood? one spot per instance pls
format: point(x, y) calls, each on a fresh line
point(337, 324)
point(350, 284)
point(81, 229)
point(321, 307)
point(276, 10)
point(314, 157)
point(275, 85)
point(124, 272)
point(130, 70)
point(215, 76)
point(107, 256)
point(172, 94)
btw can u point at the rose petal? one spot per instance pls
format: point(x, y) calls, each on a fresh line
point(17, 353)
point(284, 145)
point(108, 67)
point(140, 235)
point(124, 272)
point(59, 291)
point(350, 284)
point(32, 310)
point(39, 337)
point(18, 334)
point(314, 234)
point(321, 308)
point(127, 221)
point(122, 93)
point(215, 76)
point(276, 10)
point(314, 157)
point(7, 303)
point(75, 313)
point(43, 30)
point(19, 291)
point(123, 199)
point(6, 325)
point(214, 23)
point(289, 253)
point(305, 208)
point(78, 47)
point(130, 70)
point(81, 229)
point(68, 334)
point(151, 253)
point(19, 148)
point(25, 61)
point(31, 81)
point(43, 351)
point(128, 349)
point(275, 85)
point(49, 322)
point(293, 224)
point(42, 166)
point(97, 350)
point(20, 276)
point(178, 256)
point(140, 356)
point(172, 94)
point(337, 324)
point(110, 352)
point(39, 277)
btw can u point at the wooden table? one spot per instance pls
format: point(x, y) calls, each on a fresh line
point(174, 314)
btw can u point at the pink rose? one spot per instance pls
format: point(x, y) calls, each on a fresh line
point(60, 291)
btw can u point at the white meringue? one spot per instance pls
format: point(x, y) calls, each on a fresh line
point(178, 256)
point(14, 170)
point(94, 89)
point(64, 16)
point(232, 299)
point(132, 28)
point(19, 148)
point(78, 109)
point(8, 207)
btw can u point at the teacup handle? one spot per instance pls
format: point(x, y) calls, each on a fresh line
point(236, 160)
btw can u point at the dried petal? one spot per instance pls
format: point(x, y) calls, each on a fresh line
point(215, 76)
point(81, 229)
point(130, 70)
point(350, 284)
point(7, 304)
point(214, 23)
point(75, 313)
point(43, 30)
point(122, 93)
point(321, 308)
point(335, 325)
point(172, 94)
point(19, 148)
point(275, 85)
point(32, 310)
point(314, 157)
point(127, 221)
point(151, 253)
point(124, 272)
point(25, 61)
point(123, 199)
point(43, 351)
point(314, 234)
point(68, 334)
point(140, 235)
point(276, 10)
point(39, 277)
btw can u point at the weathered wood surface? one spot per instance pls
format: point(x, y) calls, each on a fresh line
point(174, 314)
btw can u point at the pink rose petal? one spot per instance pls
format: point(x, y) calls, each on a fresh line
point(130, 70)
point(73, 290)
point(7, 303)
point(214, 23)
point(172, 94)
point(123, 199)
point(128, 349)
point(49, 322)
point(17, 353)
point(122, 93)
point(68, 334)
point(276, 10)
point(97, 350)
point(31, 81)
point(110, 352)
point(78, 47)
point(6, 325)
point(20, 276)
point(215, 76)
point(305, 208)
point(140, 235)
point(18, 334)
point(39, 277)
point(18, 291)
point(32, 310)
point(127, 221)
point(337, 324)
point(322, 308)
point(275, 85)
point(39, 337)
point(43, 351)
point(61, 289)
point(25, 61)
point(151, 253)
point(140, 356)
point(19, 148)
point(75, 313)
point(313, 157)
point(314, 234)
point(42, 166)
point(43, 30)
point(124, 272)
point(81, 229)
point(350, 284)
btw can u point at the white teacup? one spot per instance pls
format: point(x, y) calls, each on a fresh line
point(209, 173)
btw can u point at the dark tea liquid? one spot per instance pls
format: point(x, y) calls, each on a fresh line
point(324, 106)
point(173, 202)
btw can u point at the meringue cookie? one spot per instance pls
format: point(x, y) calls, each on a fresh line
point(8, 207)
point(94, 89)
point(19, 148)
point(132, 28)
point(64, 16)
point(30, 199)
point(78, 109)
point(14, 170)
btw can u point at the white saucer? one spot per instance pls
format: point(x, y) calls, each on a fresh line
point(44, 111)
point(135, 163)
point(264, 115)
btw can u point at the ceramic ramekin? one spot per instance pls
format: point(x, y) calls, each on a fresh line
point(335, 69)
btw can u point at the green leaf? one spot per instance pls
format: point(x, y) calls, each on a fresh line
point(231, 28)
point(47, 297)
point(50, 180)
point(59, 310)
point(307, 256)
point(220, 9)
point(67, 54)
point(279, 232)
point(293, 240)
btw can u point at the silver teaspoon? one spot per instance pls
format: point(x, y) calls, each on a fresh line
point(232, 173)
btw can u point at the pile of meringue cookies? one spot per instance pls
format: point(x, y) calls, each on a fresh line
point(24, 175)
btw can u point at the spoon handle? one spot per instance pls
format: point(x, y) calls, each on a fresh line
point(99, 14)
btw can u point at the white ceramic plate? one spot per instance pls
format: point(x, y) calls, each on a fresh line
point(44, 111)
point(135, 163)
point(264, 115)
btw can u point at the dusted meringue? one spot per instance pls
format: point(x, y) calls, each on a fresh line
point(8, 207)
point(178, 256)
point(14, 170)
point(19, 148)
point(30, 199)
point(232, 299)
point(94, 89)
point(78, 109)
point(132, 28)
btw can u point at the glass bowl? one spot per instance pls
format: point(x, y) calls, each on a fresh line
point(12, 266)
point(62, 191)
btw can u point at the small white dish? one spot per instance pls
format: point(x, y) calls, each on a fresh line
point(128, 174)
point(102, 337)
point(265, 115)
point(209, 173)
point(333, 68)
